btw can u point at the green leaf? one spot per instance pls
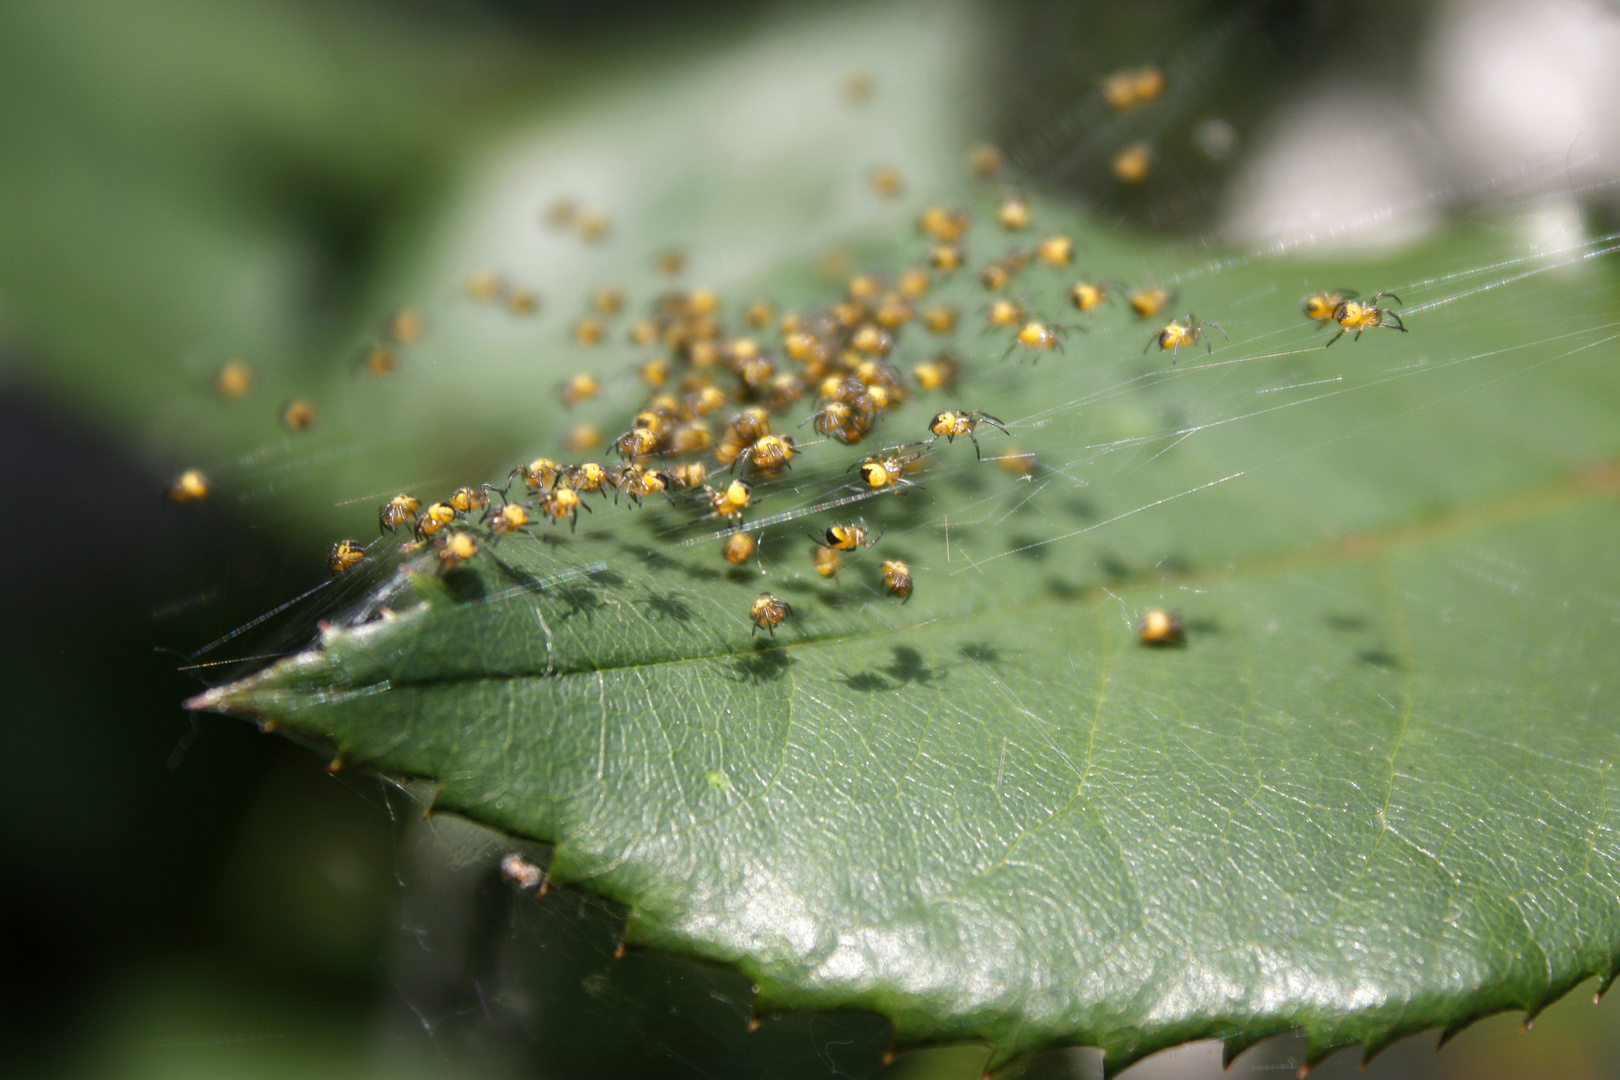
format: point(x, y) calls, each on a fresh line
point(1367, 797)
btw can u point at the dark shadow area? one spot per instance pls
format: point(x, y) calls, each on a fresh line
point(768, 663)
point(906, 667)
point(1028, 547)
point(464, 584)
point(668, 605)
point(581, 600)
point(1064, 589)
point(1114, 568)
point(981, 653)
point(1080, 509)
point(661, 562)
point(1174, 565)
point(1380, 658)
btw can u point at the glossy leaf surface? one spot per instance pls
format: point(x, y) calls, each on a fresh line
point(1369, 795)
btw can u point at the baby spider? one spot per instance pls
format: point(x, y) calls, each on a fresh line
point(1320, 306)
point(1161, 627)
point(234, 380)
point(937, 373)
point(539, 473)
point(345, 555)
point(562, 502)
point(887, 468)
point(454, 548)
point(581, 387)
point(1004, 313)
point(848, 537)
point(739, 548)
point(466, 500)
point(1149, 301)
point(587, 477)
point(1128, 89)
point(690, 475)
point(396, 512)
point(640, 442)
point(731, 502)
point(1131, 165)
point(1013, 214)
point(897, 579)
point(946, 257)
point(846, 421)
point(637, 482)
point(433, 519)
point(189, 486)
point(952, 423)
point(769, 611)
point(826, 561)
point(1189, 331)
point(769, 454)
point(1037, 337)
point(507, 520)
point(1088, 295)
point(1359, 315)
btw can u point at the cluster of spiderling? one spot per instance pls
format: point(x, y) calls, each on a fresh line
point(832, 367)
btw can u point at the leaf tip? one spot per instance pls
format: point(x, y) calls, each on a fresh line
point(754, 1022)
point(207, 701)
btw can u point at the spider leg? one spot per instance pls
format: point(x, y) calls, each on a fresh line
point(1334, 338)
point(1398, 324)
point(993, 422)
point(979, 455)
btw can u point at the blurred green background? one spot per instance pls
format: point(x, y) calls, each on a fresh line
point(183, 182)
